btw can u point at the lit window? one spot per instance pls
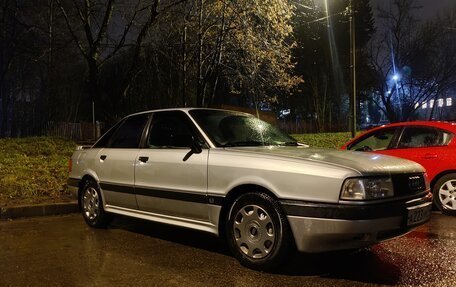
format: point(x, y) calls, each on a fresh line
point(440, 103)
point(449, 102)
point(424, 105)
point(417, 105)
point(431, 104)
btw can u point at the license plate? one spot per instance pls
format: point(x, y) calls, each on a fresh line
point(419, 214)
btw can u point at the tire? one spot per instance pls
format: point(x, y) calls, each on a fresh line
point(257, 232)
point(444, 192)
point(92, 206)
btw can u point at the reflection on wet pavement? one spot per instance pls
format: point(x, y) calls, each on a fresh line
point(64, 251)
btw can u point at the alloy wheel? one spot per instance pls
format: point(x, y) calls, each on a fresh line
point(91, 203)
point(447, 194)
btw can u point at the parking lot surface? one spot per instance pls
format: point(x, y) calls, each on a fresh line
point(63, 251)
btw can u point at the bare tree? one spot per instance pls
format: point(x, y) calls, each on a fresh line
point(414, 61)
point(10, 33)
point(99, 38)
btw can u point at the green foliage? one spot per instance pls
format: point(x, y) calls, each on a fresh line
point(324, 140)
point(34, 170)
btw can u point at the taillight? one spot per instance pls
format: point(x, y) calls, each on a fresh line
point(70, 165)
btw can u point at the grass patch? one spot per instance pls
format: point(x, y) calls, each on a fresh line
point(324, 140)
point(34, 170)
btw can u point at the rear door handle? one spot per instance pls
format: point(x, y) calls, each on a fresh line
point(143, 159)
point(103, 157)
point(430, 156)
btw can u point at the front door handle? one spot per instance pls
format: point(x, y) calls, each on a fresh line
point(103, 157)
point(430, 156)
point(143, 159)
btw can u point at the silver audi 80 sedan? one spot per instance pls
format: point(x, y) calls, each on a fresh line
point(233, 175)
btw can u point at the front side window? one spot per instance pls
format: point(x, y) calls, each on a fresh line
point(129, 133)
point(228, 128)
point(379, 140)
point(171, 130)
point(413, 137)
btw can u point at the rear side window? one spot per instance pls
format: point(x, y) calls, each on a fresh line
point(104, 140)
point(423, 137)
point(379, 140)
point(129, 133)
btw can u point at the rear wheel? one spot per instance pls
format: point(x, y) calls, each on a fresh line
point(257, 231)
point(444, 192)
point(92, 206)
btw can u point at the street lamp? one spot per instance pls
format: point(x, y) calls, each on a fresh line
point(353, 68)
point(351, 13)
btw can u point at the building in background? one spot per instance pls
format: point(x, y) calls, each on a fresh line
point(442, 108)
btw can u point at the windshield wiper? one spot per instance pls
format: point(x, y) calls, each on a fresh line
point(244, 143)
point(258, 143)
point(289, 144)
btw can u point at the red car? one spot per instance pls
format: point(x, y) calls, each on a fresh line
point(431, 144)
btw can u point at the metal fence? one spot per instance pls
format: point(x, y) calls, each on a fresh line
point(81, 132)
point(303, 127)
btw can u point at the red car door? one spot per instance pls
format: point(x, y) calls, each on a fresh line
point(424, 145)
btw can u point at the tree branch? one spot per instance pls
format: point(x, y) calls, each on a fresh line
point(72, 32)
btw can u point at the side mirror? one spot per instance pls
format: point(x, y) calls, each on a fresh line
point(195, 148)
point(364, 148)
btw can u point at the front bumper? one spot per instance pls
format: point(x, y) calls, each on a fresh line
point(328, 227)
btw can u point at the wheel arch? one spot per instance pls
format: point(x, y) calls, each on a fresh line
point(85, 178)
point(438, 176)
point(231, 196)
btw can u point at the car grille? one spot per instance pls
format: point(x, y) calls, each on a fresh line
point(407, 184)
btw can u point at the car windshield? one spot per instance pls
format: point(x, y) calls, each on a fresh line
point(229, 129)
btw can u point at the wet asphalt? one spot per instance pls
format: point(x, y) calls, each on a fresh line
point(64, 251)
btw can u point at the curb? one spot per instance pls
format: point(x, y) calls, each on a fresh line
point(38, 210)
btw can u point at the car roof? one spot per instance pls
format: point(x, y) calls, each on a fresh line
point(186, 110)
point(450, 126)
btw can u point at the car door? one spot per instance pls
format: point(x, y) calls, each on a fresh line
point(424, 145)
point(169, 178)
point(115, 163)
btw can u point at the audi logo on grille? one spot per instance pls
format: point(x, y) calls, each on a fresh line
point(415, 182)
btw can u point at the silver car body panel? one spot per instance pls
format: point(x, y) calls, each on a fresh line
point(313, 234)
point(297, 172)
point(323, 234)
point(363, 163)
point(165, 177)
point(289, 178)
point(206, 226)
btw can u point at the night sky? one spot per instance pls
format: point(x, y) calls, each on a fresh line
point(429, 7)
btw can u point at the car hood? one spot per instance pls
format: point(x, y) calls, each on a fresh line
point(363, 162)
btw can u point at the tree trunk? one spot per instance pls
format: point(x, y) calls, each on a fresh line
point(184, 64)
point(199, 85)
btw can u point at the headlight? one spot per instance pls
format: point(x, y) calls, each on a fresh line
point(367, 188)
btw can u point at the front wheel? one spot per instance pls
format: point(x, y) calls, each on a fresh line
point(257, 231)
point(444, 192)
point(92, 206)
